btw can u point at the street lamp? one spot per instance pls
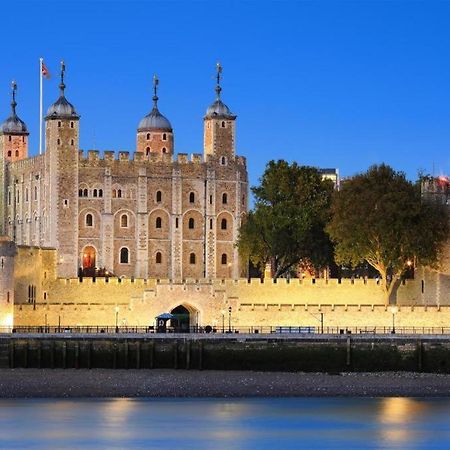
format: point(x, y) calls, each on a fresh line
point(117, 319)
point(229, 319)
point(394, 311)
point(223, 320)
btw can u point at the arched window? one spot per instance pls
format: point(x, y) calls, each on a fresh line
point(164, 137)
point(124, 221)
point(71, 142)
point(89, 220)
point(148, 136)
point(10, 139)
point(147, 151)
point(191, 223)
point(191, 197)
point(119, 193)
point(192, 258)
point(59, 141)
point(158, 222)
point(224, 258)
point(9, 152)
point(17, 152)
point(158, 258)
point(158, 196)
point(164, 150)
point(85, 193)
point(114, 193)
point(223, 161)
point(124, 255)
point(224, 198)
point(71, 124)
point(100, 192)
point(94, 193)
point(80, 192)
point(223, 224)
point(223, 124)
point(59, 124)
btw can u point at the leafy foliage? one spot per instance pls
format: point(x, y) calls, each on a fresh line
point(287, 224)
point(378, 216)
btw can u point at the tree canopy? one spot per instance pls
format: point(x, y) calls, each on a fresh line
point(379, 217)
point(287, 223)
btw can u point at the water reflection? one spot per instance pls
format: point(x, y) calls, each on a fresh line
point(387, 423)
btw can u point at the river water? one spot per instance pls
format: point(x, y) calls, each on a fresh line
point(268, 423)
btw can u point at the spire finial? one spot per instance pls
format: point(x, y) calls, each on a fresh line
point(13, 97)
point(155, 91)
point(219, 77)
point(62, 86)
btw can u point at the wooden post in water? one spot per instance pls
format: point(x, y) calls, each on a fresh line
point(188, 354)
point(138, 355)
point(348, 352)
point(151, 354)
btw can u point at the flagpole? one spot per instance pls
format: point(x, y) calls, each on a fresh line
point(40, 105)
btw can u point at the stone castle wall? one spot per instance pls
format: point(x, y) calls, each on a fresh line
point(422, 302)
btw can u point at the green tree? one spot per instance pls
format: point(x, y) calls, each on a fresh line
point(287, 224)
point(379, 217)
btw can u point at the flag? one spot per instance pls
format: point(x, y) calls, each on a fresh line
point(45, 71)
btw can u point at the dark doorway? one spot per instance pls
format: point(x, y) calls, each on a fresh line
point(181, 321)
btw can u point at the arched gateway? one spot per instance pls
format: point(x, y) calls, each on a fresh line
point(184, 319)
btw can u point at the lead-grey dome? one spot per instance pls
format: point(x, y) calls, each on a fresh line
point(14, 125)
point(62, 109)
point(154, 120)
point(219, 109)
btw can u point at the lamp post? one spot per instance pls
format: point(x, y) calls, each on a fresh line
point(223, 321)
point(117, 319)
point(229, 319)
point(394, 311)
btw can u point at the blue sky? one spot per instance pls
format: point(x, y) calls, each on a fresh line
point(325, 83)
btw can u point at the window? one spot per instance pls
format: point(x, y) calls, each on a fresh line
point(164, 137)
point(59, 141)
point(9, 152)
point(59, 124)
point(94, 193)
point(66, 203)
point(71, 142)
point(147, 151)
point(223, 161)
point(89, 220)
point(124, 221)
point(114, 193)
point(35, 192)
point(223, 124)
point(124, 255)
point(223, 224)
point(158, 258)
point(17, 153)
point(164, 150)
point(158, 222)
point(192, 258)
point(80, 192)
point(176, 222)
point(71, 124)
point(158, 196)
point(9, 198)
point(85, 193)
point(191, 197)
point(148, 136)
point(224, 198)
point(210, 224)
point(224, 258)
point(119, 193)
point(100, 192)
point(191, 223)
point(10, 139)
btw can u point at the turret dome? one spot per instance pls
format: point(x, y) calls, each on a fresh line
point(219, 109)
point(62, 109)
point(13, 124)
point(154, 120)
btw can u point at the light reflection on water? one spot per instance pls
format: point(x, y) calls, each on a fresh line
point(384, 423)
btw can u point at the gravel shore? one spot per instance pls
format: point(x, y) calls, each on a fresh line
point(27, 383)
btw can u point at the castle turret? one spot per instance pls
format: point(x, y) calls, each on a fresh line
point(155, 133)
point(13, 133)
point(219, 126)
point(62, 133)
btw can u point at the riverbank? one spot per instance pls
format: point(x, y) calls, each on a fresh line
point(40, 383)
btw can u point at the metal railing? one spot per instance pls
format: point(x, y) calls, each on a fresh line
point(279, 330)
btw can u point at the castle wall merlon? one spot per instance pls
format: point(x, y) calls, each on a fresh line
point(124, 155)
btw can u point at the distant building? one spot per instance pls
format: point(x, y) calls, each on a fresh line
point(331, 174)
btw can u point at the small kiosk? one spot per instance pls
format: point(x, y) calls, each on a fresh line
point(161, 322)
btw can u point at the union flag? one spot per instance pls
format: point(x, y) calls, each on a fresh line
point(45, 71)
